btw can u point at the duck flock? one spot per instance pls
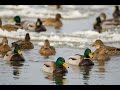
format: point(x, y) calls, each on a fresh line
point(102, 51)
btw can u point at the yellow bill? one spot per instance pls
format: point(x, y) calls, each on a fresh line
point(90, 55)
point(19, 52)
point(65, 65)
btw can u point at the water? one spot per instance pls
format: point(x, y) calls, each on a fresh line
point(75, 35)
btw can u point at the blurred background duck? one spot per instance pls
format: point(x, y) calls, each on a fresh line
point(15, 55)
point(111, 51)
point(58, 67)
point(116, 13)
point(39, 26)
point(47, 50)
point(57, 7)
point(4, 47)
point(9, 27)
point(54, 22)
point(24, 44)
point(24, 24)
point(82, 60)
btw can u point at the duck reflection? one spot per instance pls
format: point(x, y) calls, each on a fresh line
point(16, 68)
point(85, 70)
point(57, 78)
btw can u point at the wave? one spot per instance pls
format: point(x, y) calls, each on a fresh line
point(80, 39)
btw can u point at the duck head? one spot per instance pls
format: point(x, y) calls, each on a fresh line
point(46, 43)
point(58, 16)
point(38, 23)
point(27, 37)
point(97, 44)
point(60, 62)
point(17, 19)
point(98, 20)
point(17, 49)
point(116, 8)
point(4, 40)
point(103, 16)
point(88, 53)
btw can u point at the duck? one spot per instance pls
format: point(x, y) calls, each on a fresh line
point(57, 67)
point(9, 27)
point(58, 7)
point(116, 13)
point(109, 22)
point(47, 50)
point(39, 26)
point(24, 44)
point(82, 60)
point(24, 24)
point(111, 51)
point(4, 47)
point(15, 55)
point(57, 23)
point(101, 54)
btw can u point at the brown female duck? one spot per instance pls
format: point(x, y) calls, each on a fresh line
point(111, 51)
point(24, 44)
point(57, 23)
point(4, 47)
point(47, 50)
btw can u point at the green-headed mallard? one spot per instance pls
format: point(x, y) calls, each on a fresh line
point(47, 50)
point(15, 55)
point(111, 51)
point(24, 24)
point(39, 26)
point(57, 67)
point(82, 60)
point(24, 44)
point(4, 47)
point(57, 23)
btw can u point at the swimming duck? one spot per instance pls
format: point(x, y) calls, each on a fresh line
point(55, 7)
point(57, 67)
point(101, 54)
point(15, 55)
point(4, 47)
point(57, 23)
point(39, 26)
point(47, 50)
point(82, 60)
point(9, 27)
point(106, 21)
point(24, 24)
point(111, 51)
point(24, 44)
point(116, 13)
point(97, 26)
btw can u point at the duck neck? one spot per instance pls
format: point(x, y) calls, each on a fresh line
point(0, 22)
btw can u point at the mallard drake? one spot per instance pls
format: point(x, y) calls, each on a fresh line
point(57, 23)
point(47, 50)
point(4, 47)
point(24, 24)
point(116, 13)
point(39, 26)
point(9, 27)
point(110, 50)
point(24, 44)
point(57, 67)
point(15, 55)
point(82, 60)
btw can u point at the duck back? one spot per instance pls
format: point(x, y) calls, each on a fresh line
point(17, 57)
point(86, 62)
